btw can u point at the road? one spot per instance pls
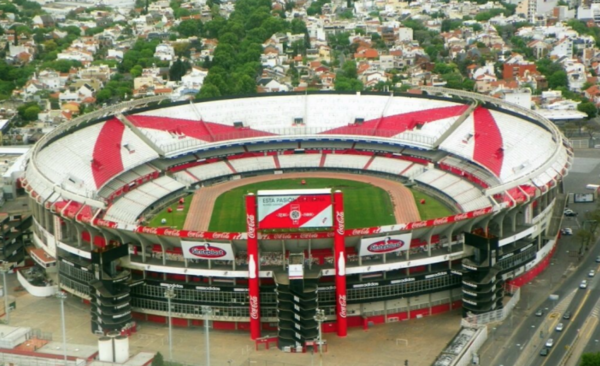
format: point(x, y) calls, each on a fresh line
point(583, 306)
point(518, 340)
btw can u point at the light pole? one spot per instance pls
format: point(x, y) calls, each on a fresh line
point(60, 295)
point(207, 311)
point(170, 294)
point(4, 268)
point(320, 318)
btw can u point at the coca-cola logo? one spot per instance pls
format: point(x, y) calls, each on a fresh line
point(342, 306)
point(462, 216)
point(282, 236)
point(339, 216)
point(195, 234)
point(171, 232)
point(148, 230)
point(479, 212)
point(220, 235)
point(419, 224)
point(251, 223)
point(364, 231)
point(440, 221)
point(254, 307)
point(385, 246)
point(309, 235)
point(207, 251)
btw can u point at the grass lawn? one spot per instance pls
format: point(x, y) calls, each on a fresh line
point(175, 219)
point(364, 204)
point(432, 209)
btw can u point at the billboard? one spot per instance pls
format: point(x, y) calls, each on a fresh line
point(294, 209)
point(583, 197)
point(206, 250)
point(385, 244)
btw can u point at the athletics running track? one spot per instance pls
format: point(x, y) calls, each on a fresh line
point(203, 202)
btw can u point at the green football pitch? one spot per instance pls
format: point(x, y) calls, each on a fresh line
point(365, 204)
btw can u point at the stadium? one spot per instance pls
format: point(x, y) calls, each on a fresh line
point(373, 208)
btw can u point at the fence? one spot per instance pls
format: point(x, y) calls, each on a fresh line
point(580, 143)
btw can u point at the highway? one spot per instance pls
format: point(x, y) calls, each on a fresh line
point(583, 305)
point(532, 331)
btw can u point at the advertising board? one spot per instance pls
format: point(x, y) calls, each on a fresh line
point(292, 209)
point(385, 244)
point(206, 250)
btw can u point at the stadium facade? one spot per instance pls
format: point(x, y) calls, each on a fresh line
point(93, 184)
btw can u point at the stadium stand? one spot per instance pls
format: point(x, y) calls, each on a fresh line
point(253, 163)
point(132, 204)
point(346, 161)
point(389, 165)
point(209, 171)
point(300, 161)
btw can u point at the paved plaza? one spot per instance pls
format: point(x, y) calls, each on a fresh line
point(379, 345)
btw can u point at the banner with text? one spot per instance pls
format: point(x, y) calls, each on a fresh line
point(294, 209)
point(206, 250)
point(385, 244)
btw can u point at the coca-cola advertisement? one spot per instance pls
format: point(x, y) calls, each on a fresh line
point(342, 306)
point(385, 244)
point(206, 250)
point(290, 209)
point(254, 312)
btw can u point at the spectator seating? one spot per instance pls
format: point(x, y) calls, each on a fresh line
point(299, 161)
point(253, 164)
point(346, 161)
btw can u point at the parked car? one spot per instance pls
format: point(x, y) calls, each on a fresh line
point(544, 352)
point(567, 315)
point(591, 273)
point(583, 284)
point(550, 342)
point(567, 231)
point(569, 212)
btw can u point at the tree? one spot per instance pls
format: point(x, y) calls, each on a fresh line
point(136, 71)
point(103, 95)
point(209, 91)
point(558, 79)
point(588, 108)
point(178, 69)
point(590, 359)
point(190, 27)
point(585, 238)
point(31, 113)
point(449, 25)
point(158, 360)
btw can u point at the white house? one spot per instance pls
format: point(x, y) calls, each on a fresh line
point(52, 79)
point(562, 48)
point(405, 34)
point(76, 55)
point(194, 78)
point(164, 52)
